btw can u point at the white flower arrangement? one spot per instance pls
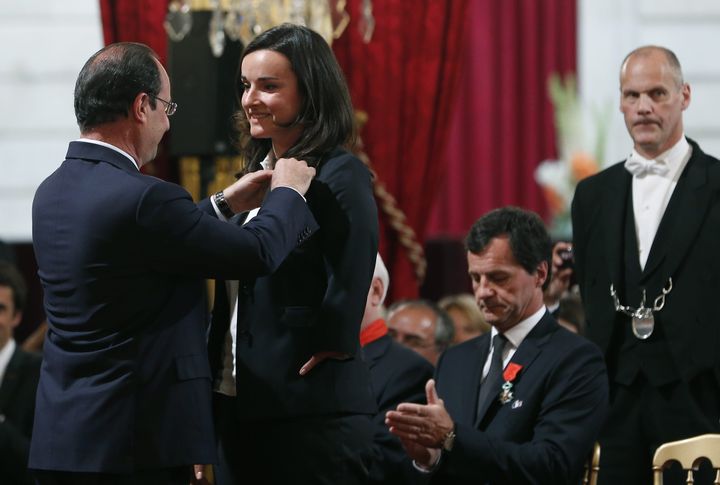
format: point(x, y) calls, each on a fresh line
point(558, 178)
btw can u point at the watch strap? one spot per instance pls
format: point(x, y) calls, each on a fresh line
point(222, 205)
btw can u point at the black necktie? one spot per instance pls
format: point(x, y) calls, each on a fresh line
point(496, 367)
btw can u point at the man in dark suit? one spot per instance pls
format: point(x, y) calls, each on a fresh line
point(124, 394)
point(19, 372)
point(646, 237)
point(522, 404)
point(398, 375)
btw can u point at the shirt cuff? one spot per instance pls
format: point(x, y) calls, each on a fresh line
point(425, 469)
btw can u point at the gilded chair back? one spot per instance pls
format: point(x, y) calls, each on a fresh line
point(592, 468)
point(688, 453)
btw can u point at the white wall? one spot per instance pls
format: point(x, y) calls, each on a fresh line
point(609, 29)
point(44, 45)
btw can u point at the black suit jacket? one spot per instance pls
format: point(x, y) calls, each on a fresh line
point(314, 302)
point(543, 436)
point(398, 375)
point(125, 382)
point(685, 248)
point(17, 406)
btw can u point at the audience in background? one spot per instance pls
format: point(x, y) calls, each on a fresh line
point(422, 326)
point(19, 374)
point(562, 275)
point(6, 252)
point(570, 313)
point(34, 341)
point(398, 375)
point(466, 317)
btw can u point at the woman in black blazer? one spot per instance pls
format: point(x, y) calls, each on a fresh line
point(293, 400)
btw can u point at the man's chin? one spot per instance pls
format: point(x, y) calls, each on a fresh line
point(644, 134)
point(492, 319)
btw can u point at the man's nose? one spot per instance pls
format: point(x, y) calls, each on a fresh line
point(645, 104)
point(482, 290)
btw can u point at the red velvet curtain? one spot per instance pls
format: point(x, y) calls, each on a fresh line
point(139, 21)
point(502, 121)
point(447, 151)
point(405, 80)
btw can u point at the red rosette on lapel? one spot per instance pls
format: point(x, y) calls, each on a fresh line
point(509, 374)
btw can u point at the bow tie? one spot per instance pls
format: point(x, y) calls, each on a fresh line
point(639, 166)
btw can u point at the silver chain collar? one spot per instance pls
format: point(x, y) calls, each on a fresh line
point(643, 322)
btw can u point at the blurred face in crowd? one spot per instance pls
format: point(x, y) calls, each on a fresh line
point(652, 99)
point(271, 98)
point(464, 327)
point(414, 327)
point(9, 317)
point(505, 292)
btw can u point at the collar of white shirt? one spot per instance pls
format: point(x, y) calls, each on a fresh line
point(269, 160)
point(6, 354)
point(111, 147)
point(517, 334)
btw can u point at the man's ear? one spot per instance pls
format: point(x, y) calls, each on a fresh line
point(542, 273)
point(140, 107)
point(685, 90)
point(16, 319)
point(376, 291)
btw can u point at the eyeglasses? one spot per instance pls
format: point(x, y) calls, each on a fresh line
point(170, 107)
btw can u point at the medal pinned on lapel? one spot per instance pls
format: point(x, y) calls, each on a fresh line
point(643, 320)
point(509, 374)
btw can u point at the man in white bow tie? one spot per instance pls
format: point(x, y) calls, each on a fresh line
point(646, 234)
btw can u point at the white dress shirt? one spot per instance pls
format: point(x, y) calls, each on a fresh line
point(225, 381)
point(651, 194)
point(6, 354)
point(514, 337)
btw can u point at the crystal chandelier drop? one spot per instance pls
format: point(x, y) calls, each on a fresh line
point(244, 19)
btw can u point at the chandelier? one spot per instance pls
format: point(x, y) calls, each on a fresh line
point(243, 20)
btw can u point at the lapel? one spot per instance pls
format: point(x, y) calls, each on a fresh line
point(682, 220)
point(11, 381)
point(480, 355)
point(525, 355)
point(618, 190)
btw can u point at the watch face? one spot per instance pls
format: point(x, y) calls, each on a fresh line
point(449, 440)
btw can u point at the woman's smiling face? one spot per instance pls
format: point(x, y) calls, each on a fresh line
point(271, 98)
